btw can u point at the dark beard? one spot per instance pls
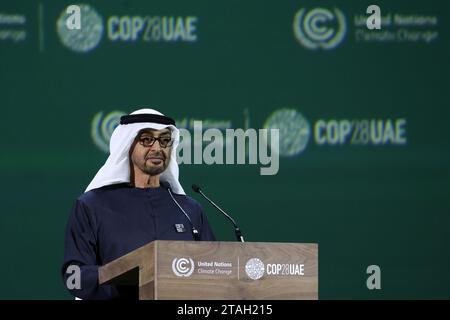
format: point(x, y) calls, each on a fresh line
point(155, 171)
point(158, 170)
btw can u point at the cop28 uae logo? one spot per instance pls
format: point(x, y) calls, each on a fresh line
point(88, 36)
point(254, 268)
point(319, 28)
point(183, 267)
point(294, 130)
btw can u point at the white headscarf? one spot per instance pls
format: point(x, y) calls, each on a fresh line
point(117, 167)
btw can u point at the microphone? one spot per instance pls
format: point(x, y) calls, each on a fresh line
point(195, 232)
point(237, 231)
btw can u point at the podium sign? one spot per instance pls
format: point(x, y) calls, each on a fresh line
point(218, 270)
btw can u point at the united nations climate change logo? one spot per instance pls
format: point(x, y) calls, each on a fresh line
point(294, 130)
point(183, 267)
point(88, 36)
point(319, 28)
point(254, 268)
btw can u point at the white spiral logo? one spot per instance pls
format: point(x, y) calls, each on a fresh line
point(182, 267)
point(312, 29)
point(102, 128)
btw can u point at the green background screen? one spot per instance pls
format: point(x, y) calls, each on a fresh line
point(363, 115)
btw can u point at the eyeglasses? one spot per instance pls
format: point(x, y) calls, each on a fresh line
point(148, 141)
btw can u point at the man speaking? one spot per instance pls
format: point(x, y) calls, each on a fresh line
point(134, 199)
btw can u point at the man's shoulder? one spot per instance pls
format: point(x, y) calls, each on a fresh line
point(189, 201)
point(102, 193)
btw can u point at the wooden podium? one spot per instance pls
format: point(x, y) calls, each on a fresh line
point(217, 270)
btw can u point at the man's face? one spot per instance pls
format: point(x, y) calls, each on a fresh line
point(148, 156)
